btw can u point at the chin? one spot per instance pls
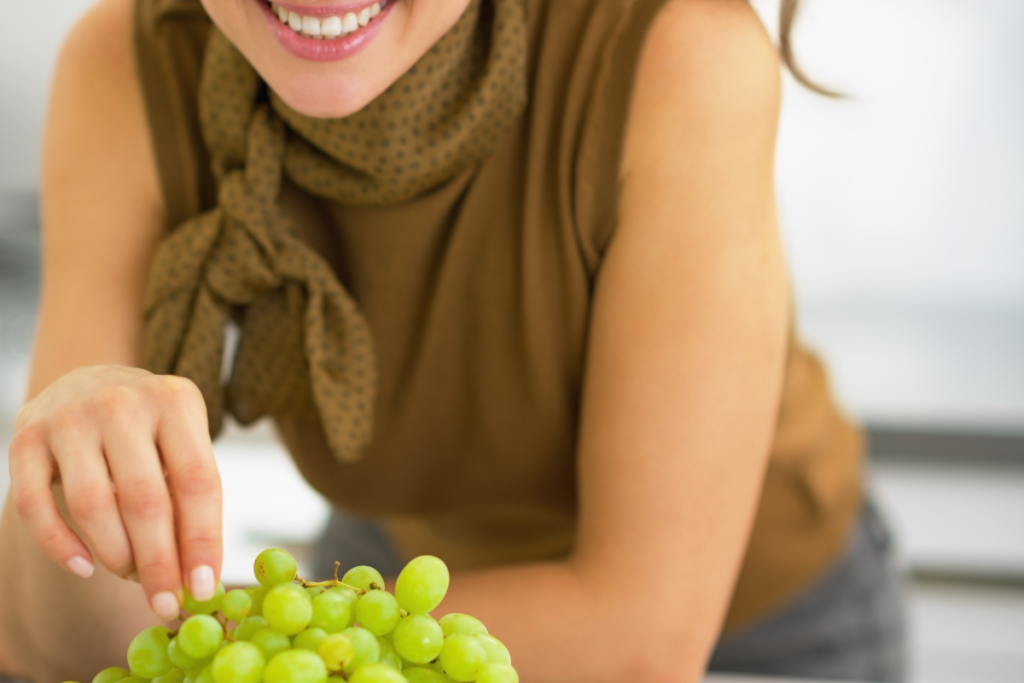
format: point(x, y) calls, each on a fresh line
point(325, 97)
point(321, 89)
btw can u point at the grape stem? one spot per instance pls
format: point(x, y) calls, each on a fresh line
point(224, 625)
point(330, 582)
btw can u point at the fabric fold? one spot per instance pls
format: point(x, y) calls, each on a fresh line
point(304, 347)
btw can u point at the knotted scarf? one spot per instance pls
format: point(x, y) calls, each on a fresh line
point(304, 347)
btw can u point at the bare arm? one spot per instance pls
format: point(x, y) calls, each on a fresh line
point(92, 418)
point(684, 370)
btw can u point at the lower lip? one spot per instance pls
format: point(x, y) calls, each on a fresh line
point(329, 50)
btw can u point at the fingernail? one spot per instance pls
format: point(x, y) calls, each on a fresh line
point(201, 583)
point(165, 605)
point(80, 566)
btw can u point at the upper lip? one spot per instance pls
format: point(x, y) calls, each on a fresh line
point(324, 10)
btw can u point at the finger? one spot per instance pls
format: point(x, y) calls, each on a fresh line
point(184, 440)
point(32, 471)
point(91, 503)
point(145, 504)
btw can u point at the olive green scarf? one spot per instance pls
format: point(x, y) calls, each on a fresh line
point(305, 349)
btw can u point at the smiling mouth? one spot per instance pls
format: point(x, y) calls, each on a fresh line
point(327, 27)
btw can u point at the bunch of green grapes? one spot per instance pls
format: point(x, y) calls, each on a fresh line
point(287, 630)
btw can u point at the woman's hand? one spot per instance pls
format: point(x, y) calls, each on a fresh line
point(132, 452)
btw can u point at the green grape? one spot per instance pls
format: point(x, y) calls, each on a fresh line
point(348, 595)
point(376, 673)
point(175, 675)
point(135, 679)
point(497, 653)
point(249, 627)
point(336, 679)
point(287, 608)
point(388, 654)
point(110, 674)
point(271, 642)
point(193, 606)
point(364, 577)
point(497, 673)
point(239, 663)
point(422, 584)
point(179, 658)
point(336, 650)
point(274, 566)
point(366, 647)
point(315, 590)
point(205, 675)
point(462, 657)
point(434, 665)
point(417, 674)
point(193, 673)
point(418, 638)
point(461, 623)
point(235, 605)
point(295, 666)
point(377, 612)
point(309, 639)
point(200, 636)
point(147, 654)
point(332, 611)
point(256, 597)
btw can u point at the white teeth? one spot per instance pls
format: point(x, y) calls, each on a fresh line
point(311, 26)
point(330, 27)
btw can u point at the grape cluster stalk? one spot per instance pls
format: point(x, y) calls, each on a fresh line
point(288, 630)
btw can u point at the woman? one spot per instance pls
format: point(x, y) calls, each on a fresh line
point(508, 278)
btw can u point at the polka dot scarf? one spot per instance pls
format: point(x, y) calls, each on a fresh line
point(305, 349)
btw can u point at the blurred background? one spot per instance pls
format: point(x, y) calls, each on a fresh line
point(903, 210)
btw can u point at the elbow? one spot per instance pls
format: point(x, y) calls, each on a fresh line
point(672, 657)
point(642, 634)
point(649, 640)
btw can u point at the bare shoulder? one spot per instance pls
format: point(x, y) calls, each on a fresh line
point(97, 134)
point(101, 42)
point(707, 71)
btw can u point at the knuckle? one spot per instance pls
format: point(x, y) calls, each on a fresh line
point(28, 438)
point(27, 502)
point(70, 418)
point(201, 540)
point(197, 479)
point(158, 563)
point(177, 391)
point(201, 545)
point(116, 400)
point(144, 501)
point(87, 504)
point(117, 559)
point(49, 538)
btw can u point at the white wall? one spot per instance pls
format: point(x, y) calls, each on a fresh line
point(912, 189)
point(30, 35)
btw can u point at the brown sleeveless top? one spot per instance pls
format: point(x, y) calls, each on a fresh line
point(477, 294)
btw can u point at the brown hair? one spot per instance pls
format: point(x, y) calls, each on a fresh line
point(787, 16)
